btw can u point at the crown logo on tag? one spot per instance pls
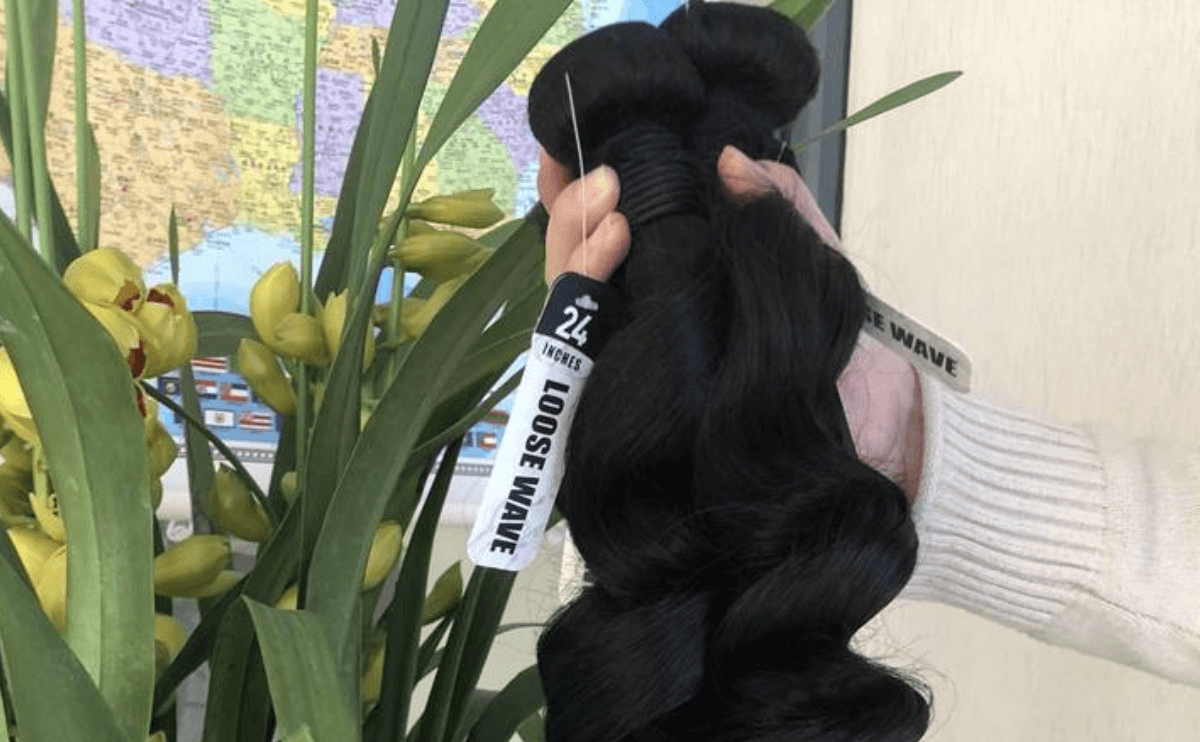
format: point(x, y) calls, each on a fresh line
point(587, 302)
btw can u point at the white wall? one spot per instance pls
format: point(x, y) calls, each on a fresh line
point(1044, 213)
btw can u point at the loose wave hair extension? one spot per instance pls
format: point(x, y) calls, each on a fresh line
point(734, 542)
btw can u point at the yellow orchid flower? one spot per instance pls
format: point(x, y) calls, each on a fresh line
point(106, 276)
point(168, 329)
point(125, 331)
point(13, 407)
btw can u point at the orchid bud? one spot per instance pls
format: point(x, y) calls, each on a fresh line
point(275, 295)
point(464, 209)
point(260, 368)
point(288, 487)
point(439, 255)
point(416, 314)
point(161, 449)
point(334, 319)
point(300, 336)
point(232, 505)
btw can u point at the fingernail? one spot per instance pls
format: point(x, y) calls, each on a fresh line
point(742, 158)
point(601, 181)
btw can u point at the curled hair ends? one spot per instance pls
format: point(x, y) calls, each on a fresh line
point(734, 542)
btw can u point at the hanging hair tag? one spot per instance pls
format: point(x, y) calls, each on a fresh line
point(578, 318)
point(917, 344)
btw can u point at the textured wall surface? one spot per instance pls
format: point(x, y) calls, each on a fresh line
point(1044, 213)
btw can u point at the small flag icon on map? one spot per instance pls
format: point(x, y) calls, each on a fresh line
point(209, 365)
point(235, 392)
point(256, 421)
point(218, 418)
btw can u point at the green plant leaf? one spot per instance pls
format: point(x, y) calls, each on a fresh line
point(302, 674)
point(90, 239)
point(466, 650)
point(533, 729)
point(44, 677)
point(504, 713)
point(400, 661)
point(201, 478)
point(331, 275)
point(173, 246)
point(64, 236)
point(300, 735)
point(430, 659)
point(806, 13)
point(391, 433)
point(238, 703)
point(82, 397)
point(44, 24)
point(220, 333)
point(404, 71)
point(509, 31)
point(895, 99)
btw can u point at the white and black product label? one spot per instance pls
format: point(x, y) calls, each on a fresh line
point(578, 317)
point(917, 344)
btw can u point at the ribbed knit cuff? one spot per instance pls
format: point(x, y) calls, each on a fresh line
point(1010, 514)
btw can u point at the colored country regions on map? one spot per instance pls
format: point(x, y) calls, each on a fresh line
point(340, 100)
point(163, 141)
point(258, 58)
point(459, 15)
point(476, 158)
point(348, 49)
point(266, 154)
point(171, 37)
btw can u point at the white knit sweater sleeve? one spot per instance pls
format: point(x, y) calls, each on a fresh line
point(1075, 535)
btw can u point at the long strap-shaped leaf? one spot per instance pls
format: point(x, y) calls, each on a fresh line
point(503, 714)
point(395, 100)
point(894, 99)
point(509, 31)
point(301, 671)
point(392, 431)
point(64, 239)
point(53, 697)
point(220, 332)
point(404, 618)
point(466, 650)
point(804, 13)
point(81, 394)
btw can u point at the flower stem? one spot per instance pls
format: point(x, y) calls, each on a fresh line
point(83, 199)
point(306, 225)
point(407, 163)
point(37, 133)
point(233, 460)
point(16, 101)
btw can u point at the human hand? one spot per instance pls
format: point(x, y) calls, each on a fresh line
point(880, 391)
point(567, 249)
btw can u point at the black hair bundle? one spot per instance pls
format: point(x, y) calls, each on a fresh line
point(734, 542)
